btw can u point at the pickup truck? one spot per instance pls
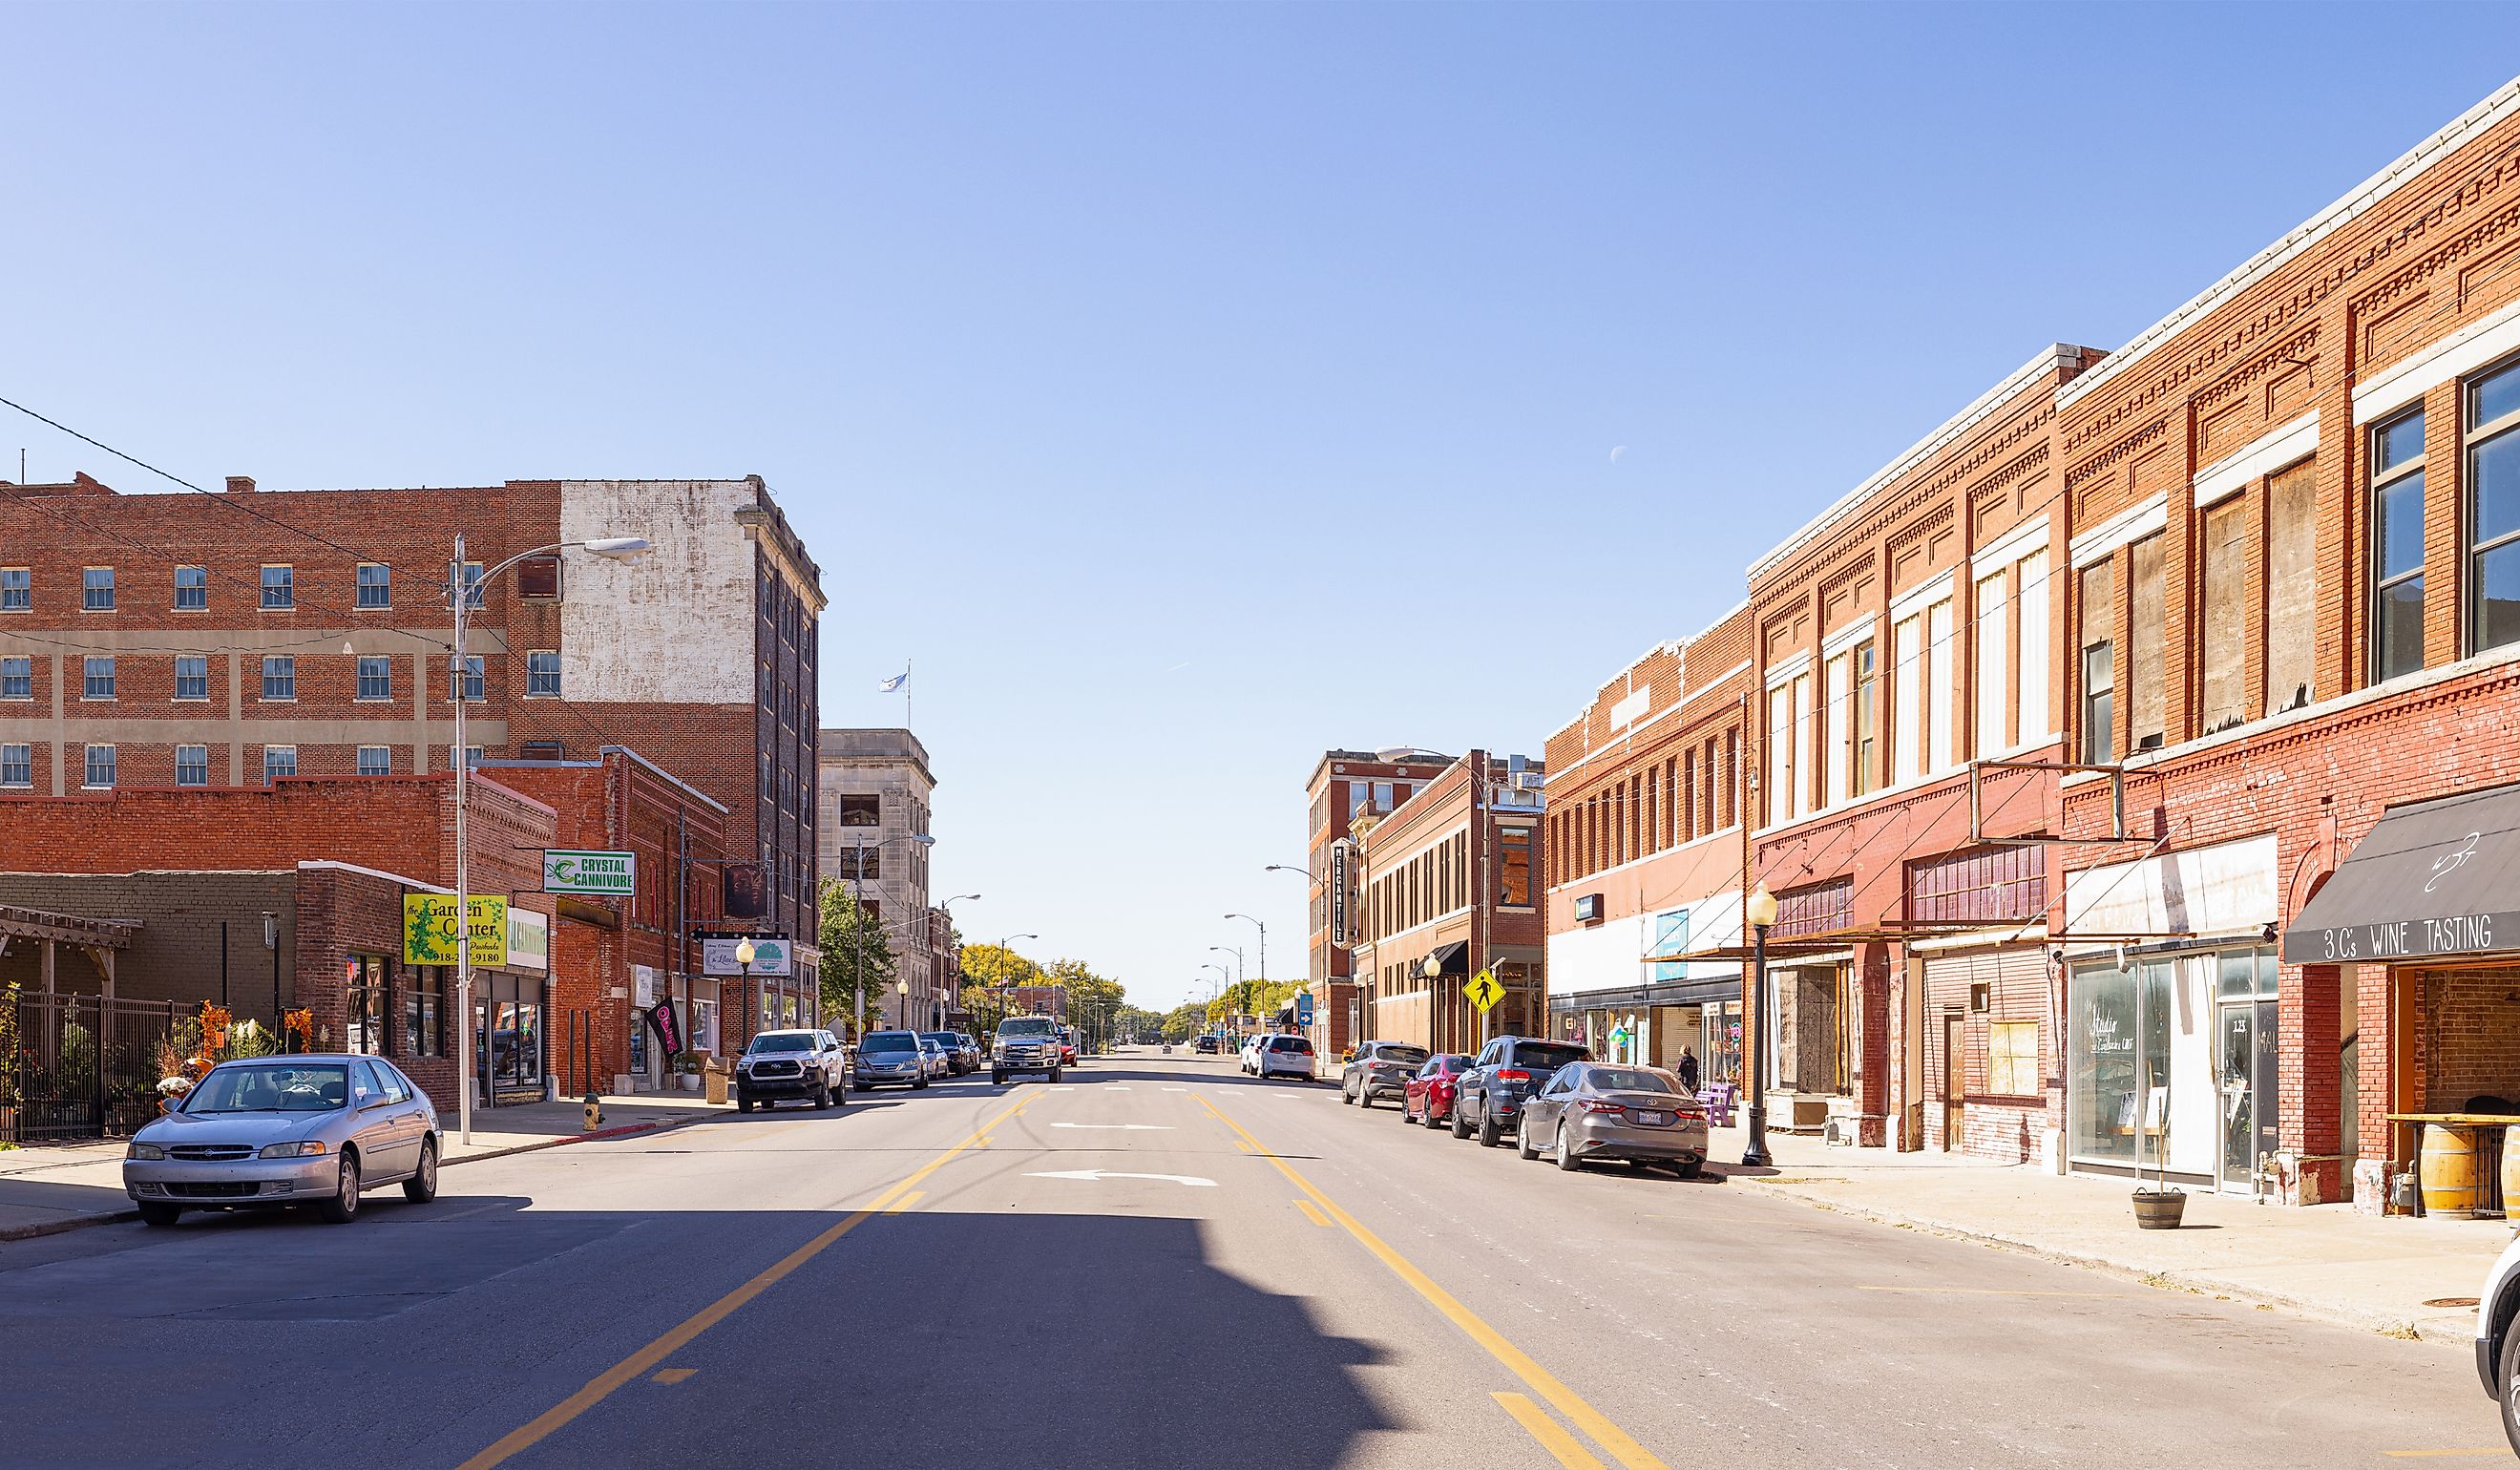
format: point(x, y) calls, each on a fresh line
point(1026, 1044)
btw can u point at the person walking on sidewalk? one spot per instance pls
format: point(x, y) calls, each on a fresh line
point(1688, 1070)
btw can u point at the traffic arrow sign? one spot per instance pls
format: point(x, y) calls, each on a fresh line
point(1483, 990)
point(1090, 1174)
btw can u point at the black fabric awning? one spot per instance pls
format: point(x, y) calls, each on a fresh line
point(2439, 878)
point(1666, 993)
point(1450, 959)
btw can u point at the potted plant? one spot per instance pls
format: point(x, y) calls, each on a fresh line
point(689, 1064)
point(2160, 1208)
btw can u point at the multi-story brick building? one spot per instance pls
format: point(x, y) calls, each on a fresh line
point(2293, 615)
point(1449, 884)
point(877, 797)
point(1644, 857)
point(1346, 786)
point(207, 640)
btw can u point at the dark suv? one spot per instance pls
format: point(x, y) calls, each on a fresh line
point(1511, 1069)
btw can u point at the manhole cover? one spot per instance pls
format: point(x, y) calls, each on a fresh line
point(2452, 1301)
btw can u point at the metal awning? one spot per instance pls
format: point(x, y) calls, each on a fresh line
point(2437, 878)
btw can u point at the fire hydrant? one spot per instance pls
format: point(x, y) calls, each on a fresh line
point(594, 1111)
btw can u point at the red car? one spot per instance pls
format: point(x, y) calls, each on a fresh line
point(1428, 1096)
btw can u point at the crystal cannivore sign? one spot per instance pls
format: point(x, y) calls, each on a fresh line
point(606, 873)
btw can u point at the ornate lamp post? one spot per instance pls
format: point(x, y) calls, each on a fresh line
point(1758, 909)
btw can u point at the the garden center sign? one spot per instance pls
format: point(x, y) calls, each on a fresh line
point(429, 928)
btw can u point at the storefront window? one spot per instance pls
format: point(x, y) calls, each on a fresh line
point(423, 993)
point(1722, 1031)
point(365, 982)
point(514, 1010)
point(2100, 1079)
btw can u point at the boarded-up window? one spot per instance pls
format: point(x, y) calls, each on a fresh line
point(2292, 589)
point(2147, 663)
point(2098, 615)
point(2221, 636)
point(538, 577)
point(2012, 1058)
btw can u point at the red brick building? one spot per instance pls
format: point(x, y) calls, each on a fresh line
point(1346, 786)
point(1643, 885)
point(1449, 884)
point(223, 640)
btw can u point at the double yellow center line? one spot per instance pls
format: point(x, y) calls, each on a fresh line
point(637, 1365)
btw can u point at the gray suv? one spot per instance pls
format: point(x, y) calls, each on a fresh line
point(1379, 1069)
point(1026, 1044)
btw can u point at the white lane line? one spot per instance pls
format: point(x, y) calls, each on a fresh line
point(1091, 1174)
point(1168, 1090)
point(1153, 1127)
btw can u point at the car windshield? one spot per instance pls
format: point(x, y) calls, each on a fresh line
point(1550, 1055)
point(1456, 1062)
point(1632, 1079)
point(272, 1088)
point(1028, 1026)
point(783, 1041)
point(1413, 1056)
point(890, 1041)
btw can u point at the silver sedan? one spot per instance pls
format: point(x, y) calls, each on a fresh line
point(1602, 1110)
point(315, 1131)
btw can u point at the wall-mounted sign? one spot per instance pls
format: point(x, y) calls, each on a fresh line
point(742, 891)
point(1339, 852)
point(771, 955)
point(1588, 907)
point(428, 929)
point(612, 874)
point(642, 984)
point(528, 941)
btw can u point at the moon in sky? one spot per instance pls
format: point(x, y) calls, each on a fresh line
point(1616, 451)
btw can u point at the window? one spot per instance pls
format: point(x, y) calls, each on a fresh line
point(17, 764)
point(191, 765)
point(538, 577)
point(278, 761)
point(192, 676)
point(192, 589)
point(471, 757)
point(17, 679)
point(2147, 655)
point(2398, 547)
point(2494, 510)
point(1989, 646)
point(2012, 1058)
point(2030, 583)
point(1866, 723)
point(17, 593)
point(96, 589)
point(2222, 627)
point(375, 585)
point(280, 676)
point(279, 587)
point(99, 681)
point(2292, 588)
point(100, 765)
point(541, 671)
point(472, 582)
point(1789, 748)
point(861, 811)
point(540, 750)
point(471, 677)
point(364, 1022)
point(1670, 936)
point(1383, 796)
point(375, 760)
point(1837, 693)
point(860, 863)
point(423, 993)
point(2100, 612)
point(375, 677)
point(1513, 851)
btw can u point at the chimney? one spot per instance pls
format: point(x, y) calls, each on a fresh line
point(240, 484)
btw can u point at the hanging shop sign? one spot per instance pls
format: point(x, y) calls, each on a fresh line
point(772, 954)
point(428, 929)
point(606, 873)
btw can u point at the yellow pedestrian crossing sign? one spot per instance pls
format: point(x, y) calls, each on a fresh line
point(1483, 991)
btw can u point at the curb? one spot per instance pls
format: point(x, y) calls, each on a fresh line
point(2167, 1280)
point(123, 1217)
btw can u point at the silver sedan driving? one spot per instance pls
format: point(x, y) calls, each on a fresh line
point(315, 1131)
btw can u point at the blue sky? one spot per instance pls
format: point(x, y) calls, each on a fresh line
point(1187, 390)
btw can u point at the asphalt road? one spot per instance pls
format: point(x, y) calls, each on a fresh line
point(1155, 1262)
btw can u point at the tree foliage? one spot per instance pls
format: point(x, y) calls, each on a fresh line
point(858, 962)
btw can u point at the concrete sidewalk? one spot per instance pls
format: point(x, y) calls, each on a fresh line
point(48, 1188)
point(2324, 1262)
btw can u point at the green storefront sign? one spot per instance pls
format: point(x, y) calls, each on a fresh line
point(611, 874)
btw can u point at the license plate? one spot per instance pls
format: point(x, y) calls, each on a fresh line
point(1654, 1120)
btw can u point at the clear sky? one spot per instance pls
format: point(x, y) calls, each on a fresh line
point(1187, 390)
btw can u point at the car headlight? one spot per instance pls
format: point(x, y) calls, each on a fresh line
point(303, 1148)
point(145, 1152)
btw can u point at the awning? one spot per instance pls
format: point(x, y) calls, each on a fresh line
point(1718, 987)
point(2439, 878)
point(1450, 960)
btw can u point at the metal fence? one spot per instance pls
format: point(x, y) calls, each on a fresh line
point(86, 1066)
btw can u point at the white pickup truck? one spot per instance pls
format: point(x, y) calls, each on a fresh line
point(1026, 1044)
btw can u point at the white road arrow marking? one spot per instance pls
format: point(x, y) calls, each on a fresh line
point(1157, 1127)
point(1193, 1180)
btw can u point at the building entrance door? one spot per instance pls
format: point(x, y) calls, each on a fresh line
point(2236, 1074)
point(1954, 1077)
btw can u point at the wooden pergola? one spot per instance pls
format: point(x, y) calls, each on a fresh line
point(101, 938)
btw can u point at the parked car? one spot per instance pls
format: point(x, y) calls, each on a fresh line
point(315, 1131)
point(1250, 1055)
point(1428, 1096)
point(951, 1042)
point(1283, 1056)
point(1025, 1043)
point(1207, 1046)
point(891, 1057)
point(933, 1054)
point(1600, 1110)
point(2497, 1339)
point(1067, 1040)
point(1379, 1069)
point(1509, 1069)
point(808, 1065)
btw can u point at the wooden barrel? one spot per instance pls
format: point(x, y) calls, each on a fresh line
point(2447, 1172)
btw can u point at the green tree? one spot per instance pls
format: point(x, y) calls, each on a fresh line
point(989, 971)
point(858, 962)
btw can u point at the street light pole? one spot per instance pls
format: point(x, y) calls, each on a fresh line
point(1760, 908)
point(1264, 945)
point(460, 594)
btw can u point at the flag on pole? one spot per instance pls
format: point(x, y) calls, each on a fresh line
point(894, 685)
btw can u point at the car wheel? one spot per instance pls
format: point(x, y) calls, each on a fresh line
point(1460, 1119)
point(1522, 1138)
point(1689, 1168)
point(1053, 1074)
point(1489, 1137)
point(1364, 1099)
point(920, 1085)
point(1347, 1095)
point(1566, 1159)
point(343, 1206)
point(1431, 1120)
point(996, 1079)
point(821, 1098)
point(159, 1215)
point(422, 1187)
point(742, 1104)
